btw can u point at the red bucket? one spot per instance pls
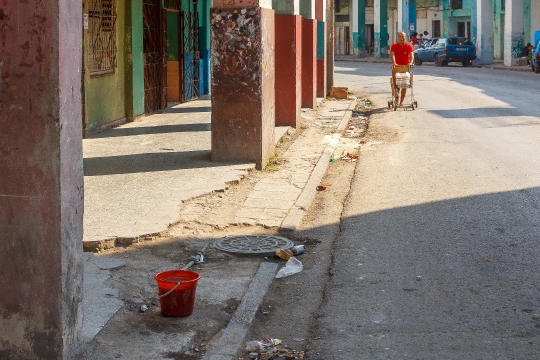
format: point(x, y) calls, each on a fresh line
point(176, 290)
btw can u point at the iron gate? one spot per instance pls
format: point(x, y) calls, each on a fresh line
point(154, 27)
point(191, 83)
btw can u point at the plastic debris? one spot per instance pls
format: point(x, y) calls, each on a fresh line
point(262, 345)
point(293, 266)
point(321, 187)
point(334, 158)
point(143, 308)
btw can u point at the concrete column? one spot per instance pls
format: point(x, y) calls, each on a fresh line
point(412, 19)
point(330, 39)
point(41, 181)
point(381, 29)
point(513, 31)
point(309, 53)
point(446, 18)
point(320, 15)
point(288, 62)
point(243, 92)
point(535, 18)
point(474, 22)
point(527, 7)
point(403, 16)
point(359, 27)
point(484, 32)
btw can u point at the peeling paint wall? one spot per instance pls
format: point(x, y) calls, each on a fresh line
point(242, 61)
point(41, 179)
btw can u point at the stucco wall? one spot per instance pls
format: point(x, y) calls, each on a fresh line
point(104, 96)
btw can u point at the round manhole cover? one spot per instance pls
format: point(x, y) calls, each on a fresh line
point(253, 244)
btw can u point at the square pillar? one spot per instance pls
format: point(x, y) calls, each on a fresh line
point(359, 27)
point(380, 27)
point(41, 182)
point(309, 63)
point(514, 36)
point(403, 16)
point(321, 58)
point(484, 32)
point(320, 15)
point(309, 53)
point(289, 76)
point(243, 93)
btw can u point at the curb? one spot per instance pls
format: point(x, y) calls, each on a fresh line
point(294, 218)
point(227, 345)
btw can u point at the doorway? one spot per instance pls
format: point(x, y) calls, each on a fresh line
point(436, 28)
point(347, 41)
point(154, 54)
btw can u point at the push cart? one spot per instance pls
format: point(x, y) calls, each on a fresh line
point(403, 79)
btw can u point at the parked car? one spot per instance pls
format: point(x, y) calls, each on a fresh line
point(444, 50)
point(535, 59)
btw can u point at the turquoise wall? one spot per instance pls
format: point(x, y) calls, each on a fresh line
point(204, 43)
point(498, 30)
point(451, 17)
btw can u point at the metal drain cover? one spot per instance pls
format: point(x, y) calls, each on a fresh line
point(253, 244)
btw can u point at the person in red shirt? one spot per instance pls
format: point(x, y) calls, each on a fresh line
point(414, 40)
point(401, 53)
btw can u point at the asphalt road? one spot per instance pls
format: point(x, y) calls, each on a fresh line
point(438, 253)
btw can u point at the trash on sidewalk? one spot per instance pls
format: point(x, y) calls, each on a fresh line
point(323, 187)
point(285, 254)
point(334, 158)
point(263, 345)
point(197, 259)
point(349, 157)
point(293, 266)
point(298, 250)
point(267, 349)
point(143, 308)
point(340, 93)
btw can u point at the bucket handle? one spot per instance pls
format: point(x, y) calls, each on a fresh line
point(170, 291)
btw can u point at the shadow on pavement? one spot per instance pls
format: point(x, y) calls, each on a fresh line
point(149, 130)
point(149, 162)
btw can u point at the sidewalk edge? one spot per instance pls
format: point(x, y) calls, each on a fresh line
point(292, 221)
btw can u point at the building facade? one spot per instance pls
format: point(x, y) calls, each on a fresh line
point(511, 24)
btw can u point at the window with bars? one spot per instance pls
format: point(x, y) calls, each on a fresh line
point(457, 4)
point(102, 30)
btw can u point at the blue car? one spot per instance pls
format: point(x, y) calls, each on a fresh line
point(444, 50)
point(535, 59)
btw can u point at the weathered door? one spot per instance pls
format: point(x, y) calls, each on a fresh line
point(191, 83)
point(155, 64)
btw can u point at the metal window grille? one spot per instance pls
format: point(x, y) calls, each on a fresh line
point(102, 30)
